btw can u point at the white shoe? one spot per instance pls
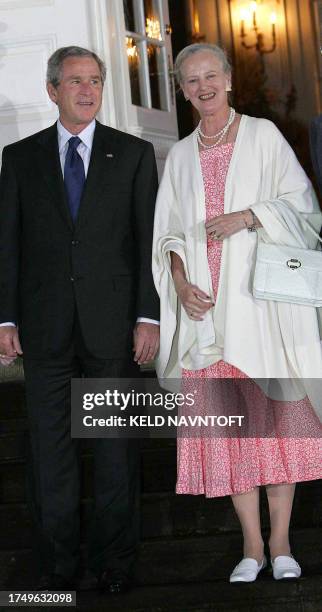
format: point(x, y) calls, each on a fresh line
point(247, 570)
point(285, 567)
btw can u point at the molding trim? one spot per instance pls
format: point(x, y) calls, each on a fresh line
point(39, 103)
point(23, 4)
point(161, 142)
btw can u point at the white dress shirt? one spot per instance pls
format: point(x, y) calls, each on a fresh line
point(84, 149)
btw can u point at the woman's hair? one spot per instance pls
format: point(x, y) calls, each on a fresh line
point(55, 62)
point(196, 48)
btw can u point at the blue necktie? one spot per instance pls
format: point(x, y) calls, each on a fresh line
point(74, 176)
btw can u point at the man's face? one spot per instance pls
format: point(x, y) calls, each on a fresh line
point(79, 93)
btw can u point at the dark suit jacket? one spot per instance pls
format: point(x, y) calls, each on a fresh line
point(316, 148)
point(101, 266)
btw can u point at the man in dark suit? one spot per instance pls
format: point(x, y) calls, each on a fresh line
point(77, 297)
point(316, 148)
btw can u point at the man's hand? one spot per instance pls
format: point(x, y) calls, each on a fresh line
point(146, 337)
point(10, 346)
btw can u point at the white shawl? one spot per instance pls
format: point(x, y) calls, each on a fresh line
point(263, 339)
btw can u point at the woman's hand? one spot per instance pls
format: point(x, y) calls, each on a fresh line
point(195, 301)
point(223, 226)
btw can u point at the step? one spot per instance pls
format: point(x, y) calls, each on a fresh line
point(162, 515)
point(212, 557)
point(12, 400)
point(163, 512)
point(158, 473)
point(13, 444)
point(191, 561)
point(12, 394)
point(264, 595)
point(14, 437)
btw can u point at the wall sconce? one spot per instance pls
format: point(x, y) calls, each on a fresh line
point(196, 35)
point(153, 29)
point(131, 48)
point(251, 15)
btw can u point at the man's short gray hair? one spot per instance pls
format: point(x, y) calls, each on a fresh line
point(55, 62)
point(196, 48)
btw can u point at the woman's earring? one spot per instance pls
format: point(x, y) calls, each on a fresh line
point(228, 87)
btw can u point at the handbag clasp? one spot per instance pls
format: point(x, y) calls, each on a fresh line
point(294, 264)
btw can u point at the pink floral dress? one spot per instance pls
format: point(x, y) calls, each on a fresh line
point(218, 466)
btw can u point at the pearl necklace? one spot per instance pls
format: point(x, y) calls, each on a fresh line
point(220, 135)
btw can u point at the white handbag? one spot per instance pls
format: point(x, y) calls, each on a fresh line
point(289, 274)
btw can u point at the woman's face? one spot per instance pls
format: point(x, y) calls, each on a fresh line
point(205, 83)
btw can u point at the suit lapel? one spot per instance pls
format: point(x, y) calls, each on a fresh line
point(104, 156)
point(51, 173)
point(105, 152)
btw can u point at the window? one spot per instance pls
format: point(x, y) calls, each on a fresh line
point(147, 54)
point(140, 85)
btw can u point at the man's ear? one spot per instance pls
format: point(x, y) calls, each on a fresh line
point(52, 92)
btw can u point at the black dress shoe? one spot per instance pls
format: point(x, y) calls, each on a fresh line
point(114, 583)
point(55, 582)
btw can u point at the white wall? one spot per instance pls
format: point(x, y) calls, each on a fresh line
point(30, 31)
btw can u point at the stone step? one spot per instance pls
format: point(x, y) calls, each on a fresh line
point(10, 427)
point(167, 514)
point(12, 396)
point(195, 561)
point(12, 400)
point(265, 595)
point(14, 444)
point(158, 473)
point(14, 438)
point(162, 515)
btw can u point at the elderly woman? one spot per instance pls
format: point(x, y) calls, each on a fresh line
point(233, 179)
